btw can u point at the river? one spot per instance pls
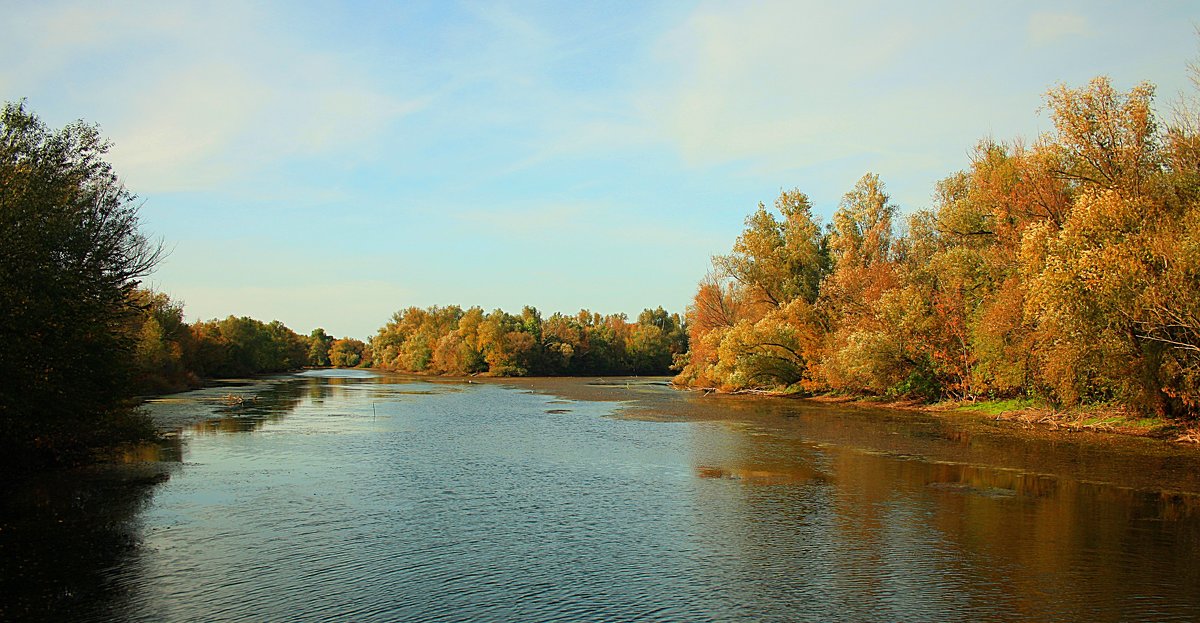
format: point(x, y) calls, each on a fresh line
point(347, 496)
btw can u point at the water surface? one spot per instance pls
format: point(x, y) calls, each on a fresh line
point(376, 498)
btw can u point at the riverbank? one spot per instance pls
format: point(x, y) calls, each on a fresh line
point(1029, 413)
point(1101, 418)
point(1022, 414)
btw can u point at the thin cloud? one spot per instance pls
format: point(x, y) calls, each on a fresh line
point(786, 90)
point(754, 81)
point(1046, 27)
point(207, 94)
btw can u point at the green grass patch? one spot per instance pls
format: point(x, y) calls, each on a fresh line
point(996, 407)
point(1110, 419)
point(792, 390)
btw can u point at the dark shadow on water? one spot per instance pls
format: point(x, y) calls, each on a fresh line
point(63, 533)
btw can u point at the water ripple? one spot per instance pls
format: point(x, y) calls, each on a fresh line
point(369, 501)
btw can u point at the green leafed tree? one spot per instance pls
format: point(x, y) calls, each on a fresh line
point(71, 253)
point(318, 348)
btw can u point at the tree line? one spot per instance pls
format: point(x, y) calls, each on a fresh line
point(171, 355)
point(451, 340)
point(1067, 270)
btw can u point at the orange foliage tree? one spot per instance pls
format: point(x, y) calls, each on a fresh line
point(1069, 270)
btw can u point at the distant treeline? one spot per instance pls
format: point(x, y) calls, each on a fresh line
point(450, 340)
point(172, 355)
point(1067, 270)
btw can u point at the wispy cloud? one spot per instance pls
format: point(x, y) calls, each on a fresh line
point(754, 81)
point(206, 92)
point(1047, 27)
point(779, 88)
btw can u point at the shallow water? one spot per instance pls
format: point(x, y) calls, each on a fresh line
point(383, 498)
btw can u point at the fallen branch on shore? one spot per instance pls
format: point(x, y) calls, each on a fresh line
point(738, 392)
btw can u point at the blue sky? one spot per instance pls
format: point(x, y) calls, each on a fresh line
point(326, 164)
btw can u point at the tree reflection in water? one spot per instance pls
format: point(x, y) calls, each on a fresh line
point(62, 534)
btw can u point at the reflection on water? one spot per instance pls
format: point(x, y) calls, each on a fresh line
point(271, 404)
point(60, 538)
point(362, 497)
point(868, 535)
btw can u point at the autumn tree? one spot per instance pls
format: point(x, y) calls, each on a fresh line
point(562, 342)
point(346, 353)
point(861, 241)
point(654, 341)
point(239, 346)
point(748, 317)
point(1089, 277)
point(318, 350)
point(458, 351)
point(982, 217)
point(1109, 140)
point(450, 341)
point(1068, 269)
point(779, 259)
point(163, 339)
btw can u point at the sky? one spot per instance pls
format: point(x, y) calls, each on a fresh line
point(327, 164)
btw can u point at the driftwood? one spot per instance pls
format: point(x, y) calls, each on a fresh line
point(1192, 435)
point(736, 392)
